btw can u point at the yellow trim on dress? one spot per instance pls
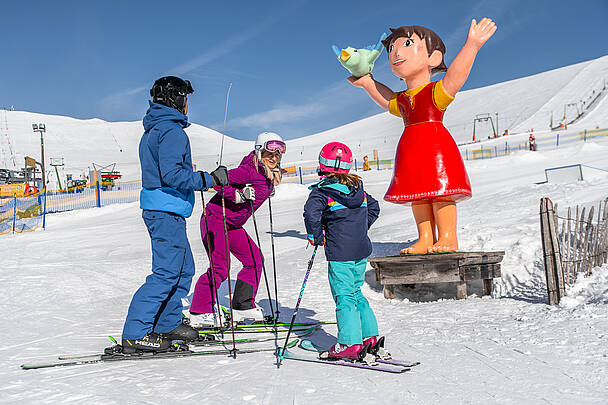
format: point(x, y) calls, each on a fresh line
point(441, 98)
point(412, 92)
point(393, 105)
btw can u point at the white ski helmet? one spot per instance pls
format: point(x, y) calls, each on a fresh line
point(271, 142)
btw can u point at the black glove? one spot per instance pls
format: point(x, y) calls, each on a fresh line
point(220, 176)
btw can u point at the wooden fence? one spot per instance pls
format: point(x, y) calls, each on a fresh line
point(572, 244)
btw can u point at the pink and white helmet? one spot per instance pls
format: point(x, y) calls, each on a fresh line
point(335, 157)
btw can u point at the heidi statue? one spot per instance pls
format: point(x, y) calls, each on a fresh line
point(429, 173)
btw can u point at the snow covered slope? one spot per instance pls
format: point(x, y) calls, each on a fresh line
point(65, 289)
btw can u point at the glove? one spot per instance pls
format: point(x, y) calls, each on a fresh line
point(220, 176)
point(246, 194)
point(312, 241)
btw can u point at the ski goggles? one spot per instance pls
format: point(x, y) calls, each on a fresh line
point(275, 146)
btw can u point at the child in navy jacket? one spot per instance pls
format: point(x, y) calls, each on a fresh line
point(338, 214)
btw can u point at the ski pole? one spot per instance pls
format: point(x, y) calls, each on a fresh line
point(224, 132)
point(210, 250)
point(257, 235)
point(274, 264)
point(228, 271)
point(295, 311)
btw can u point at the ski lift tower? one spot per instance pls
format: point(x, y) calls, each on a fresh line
point(57, 162)
point(485, 117)
point(106, 174)
point(42, 129)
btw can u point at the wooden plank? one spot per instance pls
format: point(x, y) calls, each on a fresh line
point(421, 277)
point(559, 272)
point(487, 286)
point(604, 248)
point(596, 234)
point(409, 268)
point(461, 290)
point(475, 257)
point(579, 242)
point(481, 272)
point(563, 249)
point(375, 267)
point(548, 252)
point(568, 250)
point(491, 257)
point(574, 245)
point(586, 243)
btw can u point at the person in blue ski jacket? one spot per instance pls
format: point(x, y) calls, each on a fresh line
point(337, 215)
point(154, 318)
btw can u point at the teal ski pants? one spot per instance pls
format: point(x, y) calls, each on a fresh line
point(356, 320)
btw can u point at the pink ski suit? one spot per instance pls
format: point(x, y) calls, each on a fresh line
point(240, 243)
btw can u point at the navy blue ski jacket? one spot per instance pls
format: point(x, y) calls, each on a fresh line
point(167, 179)
point(342, 215)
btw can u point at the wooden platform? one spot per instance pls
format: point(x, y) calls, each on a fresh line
point(457, 267)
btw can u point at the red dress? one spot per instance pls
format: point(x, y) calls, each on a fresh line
point(427, 162)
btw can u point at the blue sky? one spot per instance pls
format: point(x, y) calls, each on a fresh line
point(99, 59)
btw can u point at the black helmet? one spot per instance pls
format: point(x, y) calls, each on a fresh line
point(171, 91)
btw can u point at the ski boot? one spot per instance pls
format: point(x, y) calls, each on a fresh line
point(358, 353)
point(248, 316)
point(152, 342)
point(205, 320)
point(377, 347)
point(183, 332)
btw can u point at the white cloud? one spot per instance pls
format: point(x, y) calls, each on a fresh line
point(277, 115)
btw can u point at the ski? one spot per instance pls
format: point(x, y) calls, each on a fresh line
point(257, 329)
point(399, 363)
point(307, 345)
point(199, 343)
point(261, 325)
point(102, 358)
point(345, 363)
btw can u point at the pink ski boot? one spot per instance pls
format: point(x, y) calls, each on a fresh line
point(340, 351)
point(376, 345)
point(359, 353)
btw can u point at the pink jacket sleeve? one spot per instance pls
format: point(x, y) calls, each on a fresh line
point(237, 178)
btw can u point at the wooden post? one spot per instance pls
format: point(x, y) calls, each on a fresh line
point(461, 290)
point(605, 235)
point(578, 232)
point(550, 251)
point(596, 235)
point(563, 248)
point(568, 250)
point(487, 287)
point(587, 242)
point(559, 270)
point(389, 291)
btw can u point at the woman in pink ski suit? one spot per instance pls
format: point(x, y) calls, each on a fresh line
point(261, 170)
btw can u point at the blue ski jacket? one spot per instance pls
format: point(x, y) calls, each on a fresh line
point(167, 179)
point(342, 216)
